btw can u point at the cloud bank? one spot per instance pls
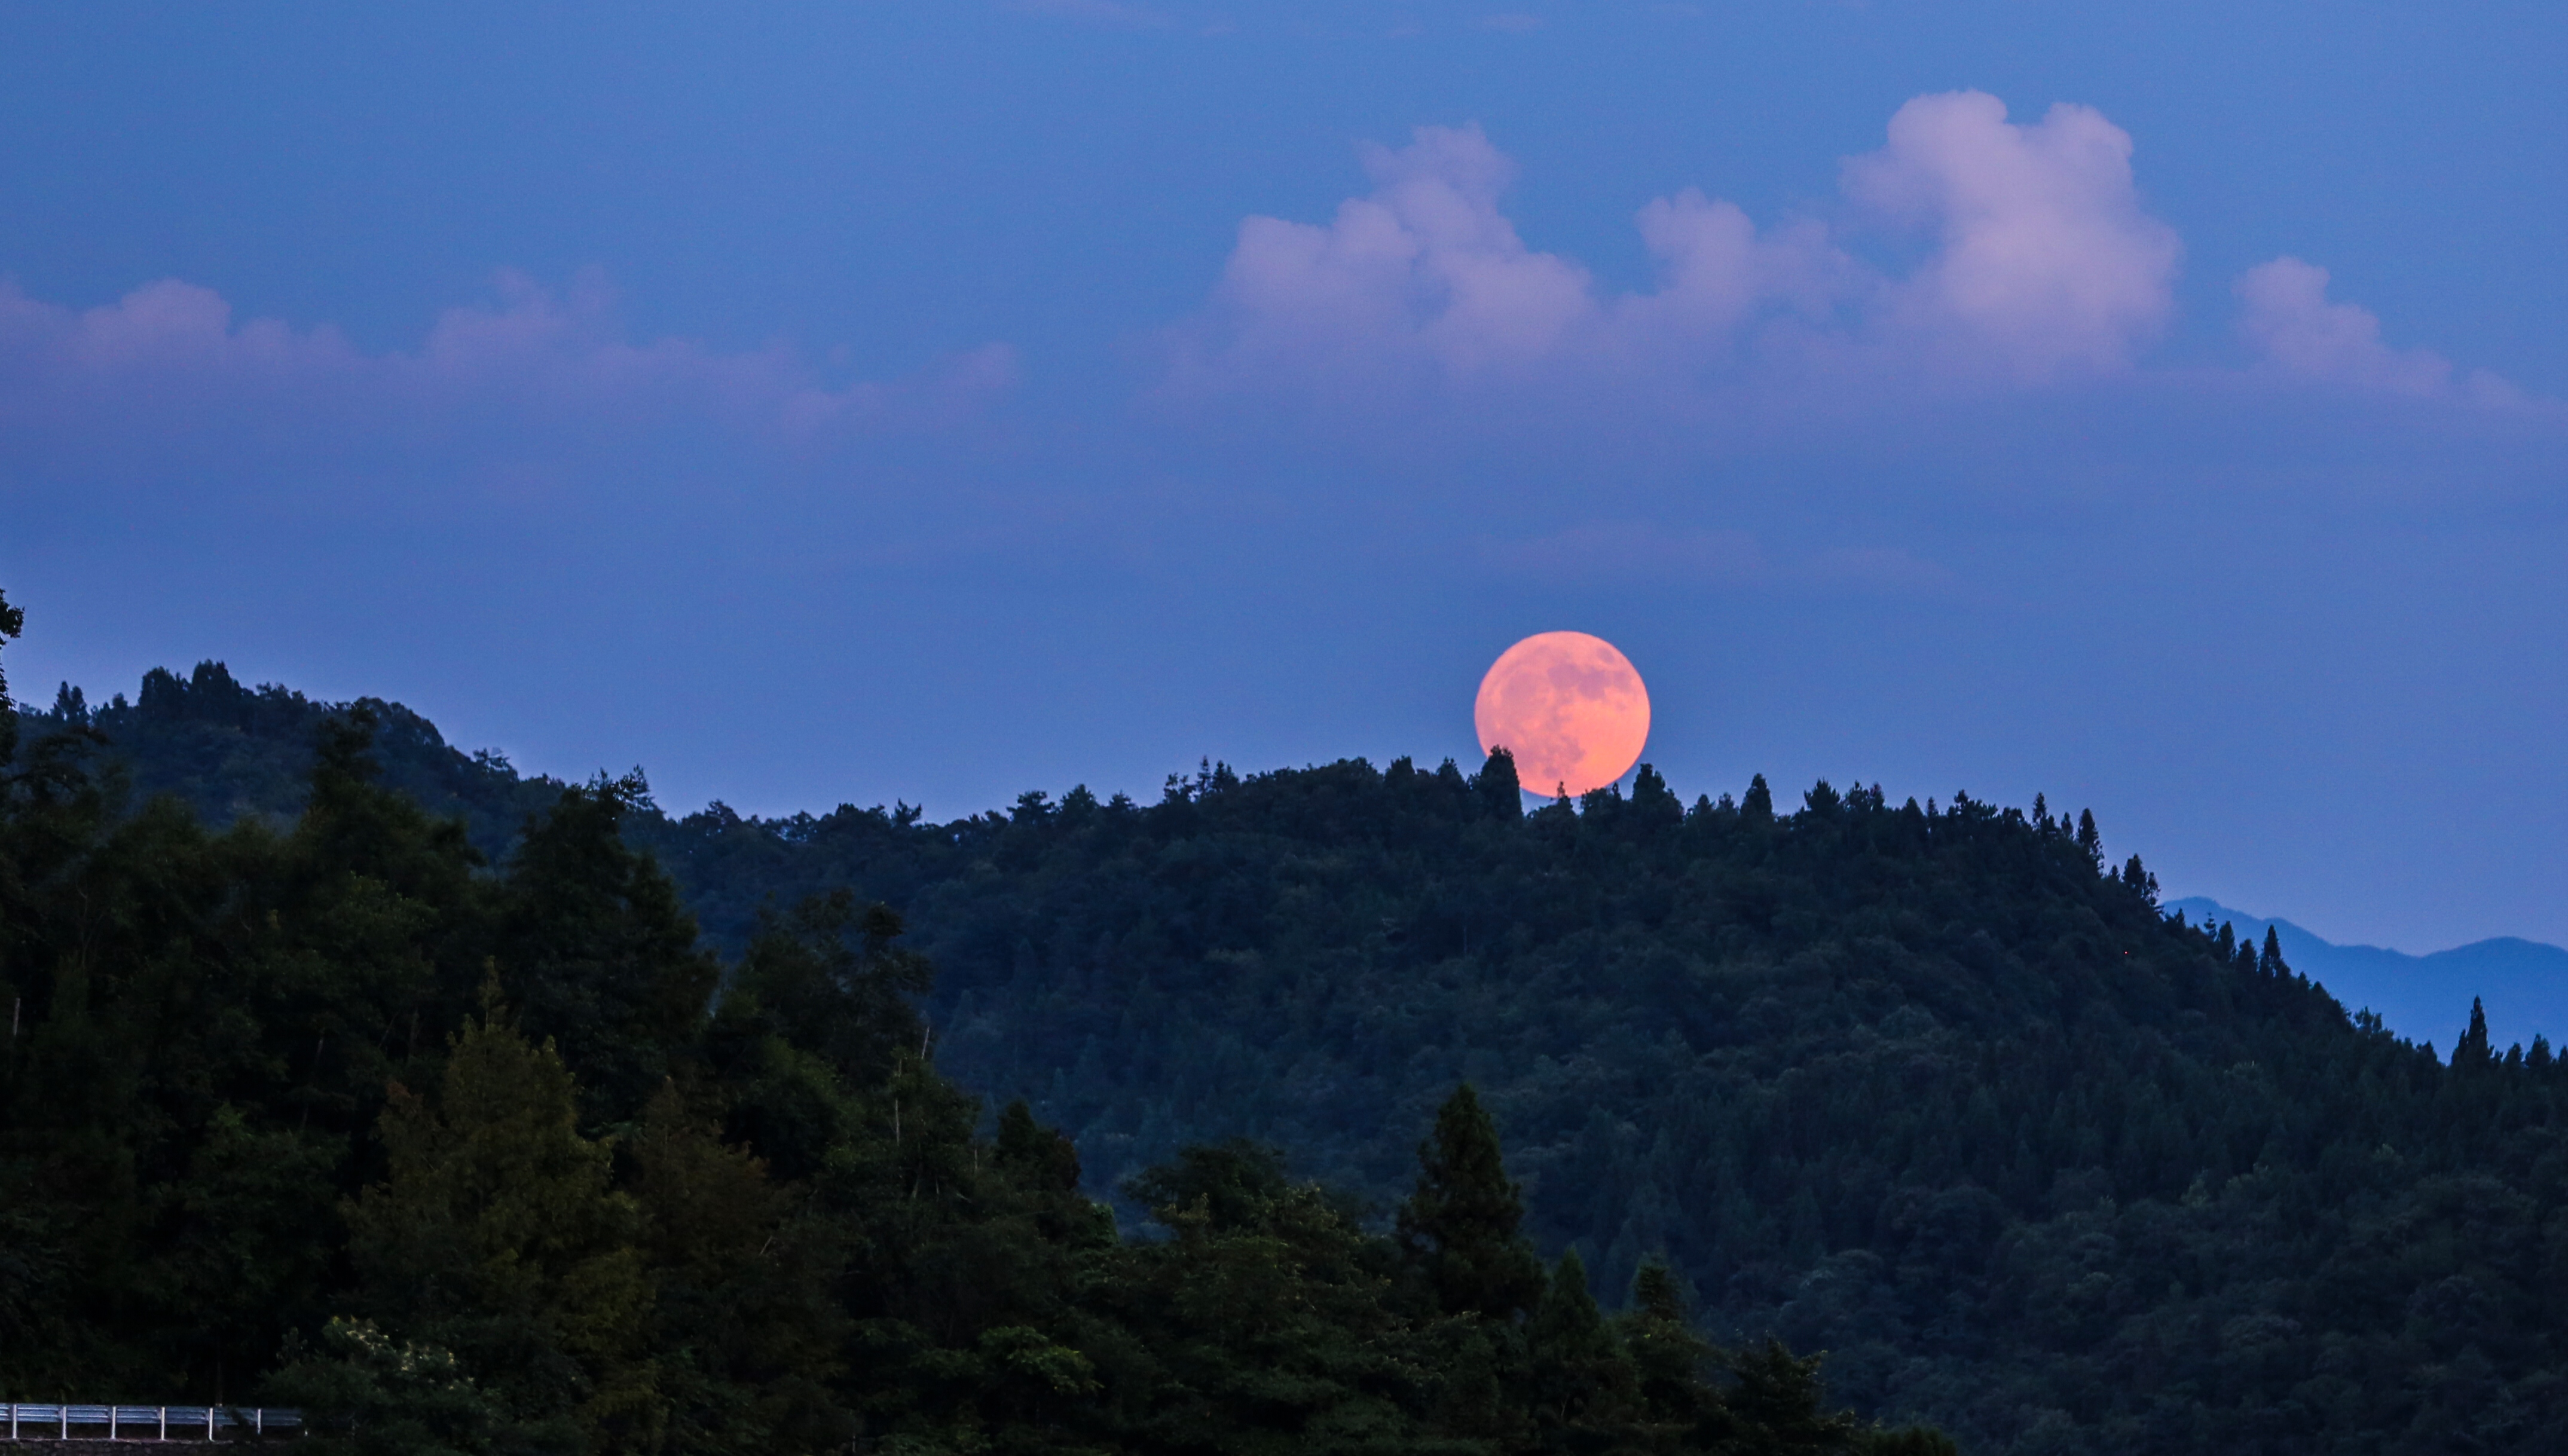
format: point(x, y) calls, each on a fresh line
point(2041, 267)
point(168, 365)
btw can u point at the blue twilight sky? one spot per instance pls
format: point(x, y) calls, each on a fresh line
point(854, 401)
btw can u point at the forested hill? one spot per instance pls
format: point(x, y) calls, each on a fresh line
point(232, 752)
point(475, 1160)
point(1935, 1087)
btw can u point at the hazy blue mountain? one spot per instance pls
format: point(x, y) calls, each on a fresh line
point(2424, 997)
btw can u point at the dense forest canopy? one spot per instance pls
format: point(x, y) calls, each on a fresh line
point(1934, 1088)
point(476, 1158)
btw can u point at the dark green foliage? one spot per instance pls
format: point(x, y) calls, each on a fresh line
point(1459, 1227)
point(1756, 806)
point(474, 1159)
point(498, 1235)
point(1501, 792)
point(592, 943)
point(1926, 1086)
point(1583, 1386)
point(1936, 1089)
point(381, 1397)
point(237, 753)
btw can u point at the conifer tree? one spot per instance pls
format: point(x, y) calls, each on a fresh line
point(1502, 794)
point(1460, 1226)
point(2270, 960)
point(2136, 878)
point(1757, 806)
point(2472, 1049)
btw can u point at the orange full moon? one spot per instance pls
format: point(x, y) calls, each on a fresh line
point(1569, 706)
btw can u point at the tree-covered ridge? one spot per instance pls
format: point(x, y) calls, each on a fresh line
point(234, 752)
point(1934, 1088)
point(497, 1159)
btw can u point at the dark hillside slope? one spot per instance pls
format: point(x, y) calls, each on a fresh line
point(1929, 1086)
point(466, 1160)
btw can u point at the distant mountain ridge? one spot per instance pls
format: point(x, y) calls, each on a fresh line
point(2524, 984)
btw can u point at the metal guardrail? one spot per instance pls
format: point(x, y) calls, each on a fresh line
point(61, 1422)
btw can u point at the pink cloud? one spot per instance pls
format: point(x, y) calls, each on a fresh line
point(2045, 262)
point(1425, 270)
point(168, 360)
point(2287, 317)
point(2044, 266)
point(1717, 271)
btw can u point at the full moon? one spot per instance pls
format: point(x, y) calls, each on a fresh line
point(1569, 706)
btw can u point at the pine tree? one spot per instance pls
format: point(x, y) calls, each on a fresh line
point(1461, 1224)
point(2269, 962)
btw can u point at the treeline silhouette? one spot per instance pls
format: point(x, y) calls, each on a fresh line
point(333, 1112)
point(1936, 1088)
